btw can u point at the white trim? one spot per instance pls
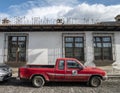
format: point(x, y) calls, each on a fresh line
point(56, 74)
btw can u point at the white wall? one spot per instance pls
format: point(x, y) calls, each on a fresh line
point(89, 50)
point(1, 47)
point(117, 47)
point(44, 47)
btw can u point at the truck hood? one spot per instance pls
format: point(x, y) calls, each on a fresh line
point(95, 70)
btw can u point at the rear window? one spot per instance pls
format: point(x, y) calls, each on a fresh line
point(61, 64)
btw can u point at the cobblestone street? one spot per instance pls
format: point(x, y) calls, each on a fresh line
point(16, 86)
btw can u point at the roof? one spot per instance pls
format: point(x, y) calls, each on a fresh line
point(59, 27)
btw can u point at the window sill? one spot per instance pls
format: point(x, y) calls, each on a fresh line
point(103, 62)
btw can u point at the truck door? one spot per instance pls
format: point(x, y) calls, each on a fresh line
point(73, 72)
point(60, 71)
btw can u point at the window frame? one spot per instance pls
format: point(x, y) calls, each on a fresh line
point(70, 61)
point(74, 48)
point(63, 65)
point(102, 56)
point(17, 41)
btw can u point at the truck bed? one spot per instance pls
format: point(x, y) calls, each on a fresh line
point(41, 66)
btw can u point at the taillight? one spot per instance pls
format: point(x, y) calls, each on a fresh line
point(19, 72)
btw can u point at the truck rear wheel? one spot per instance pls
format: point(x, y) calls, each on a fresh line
point(95, 81)
point(38, 81)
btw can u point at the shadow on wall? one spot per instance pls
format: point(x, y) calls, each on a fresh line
point(34, 56)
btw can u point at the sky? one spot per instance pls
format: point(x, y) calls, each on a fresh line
point(102, 10)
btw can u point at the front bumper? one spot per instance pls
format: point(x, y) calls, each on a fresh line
point(5, 77)
point(105, 77)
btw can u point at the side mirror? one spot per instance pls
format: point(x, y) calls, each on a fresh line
point(80, 67)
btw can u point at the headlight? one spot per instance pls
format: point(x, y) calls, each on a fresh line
point(4, 69)
point(10, 69)
point(105, 74)
point(2, 73)
point(1, 70)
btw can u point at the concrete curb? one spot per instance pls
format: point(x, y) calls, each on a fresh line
point(112, 76)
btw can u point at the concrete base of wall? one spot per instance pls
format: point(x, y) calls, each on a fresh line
point(17, 64)
point(103, 63)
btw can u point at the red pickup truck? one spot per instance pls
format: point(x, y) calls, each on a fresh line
point(65, 70)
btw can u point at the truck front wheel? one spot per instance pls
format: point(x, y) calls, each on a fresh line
point(95, 81)
point(38, 81)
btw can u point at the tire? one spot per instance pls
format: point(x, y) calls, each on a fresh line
point(95, 81)
point(38, 81)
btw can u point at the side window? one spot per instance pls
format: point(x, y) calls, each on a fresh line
point(72, 64)
point(61, 65)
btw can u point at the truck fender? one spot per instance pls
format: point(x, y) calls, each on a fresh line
point(93, 76)
point(43, 75)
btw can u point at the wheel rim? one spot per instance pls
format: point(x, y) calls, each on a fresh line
point(38, 81)
point(95, 81)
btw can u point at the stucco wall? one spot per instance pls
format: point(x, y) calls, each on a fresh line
point(89, 50)
point(117, 47)
point(44, 47)
point(1, 47)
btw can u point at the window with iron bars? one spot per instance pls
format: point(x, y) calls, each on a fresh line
point(103, 48)
point(74, 47)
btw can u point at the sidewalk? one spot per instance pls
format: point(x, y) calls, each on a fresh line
point(110, 70)
point(112, 73)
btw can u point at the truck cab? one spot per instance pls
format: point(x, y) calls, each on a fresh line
point(67, 69)
point(70, 69)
